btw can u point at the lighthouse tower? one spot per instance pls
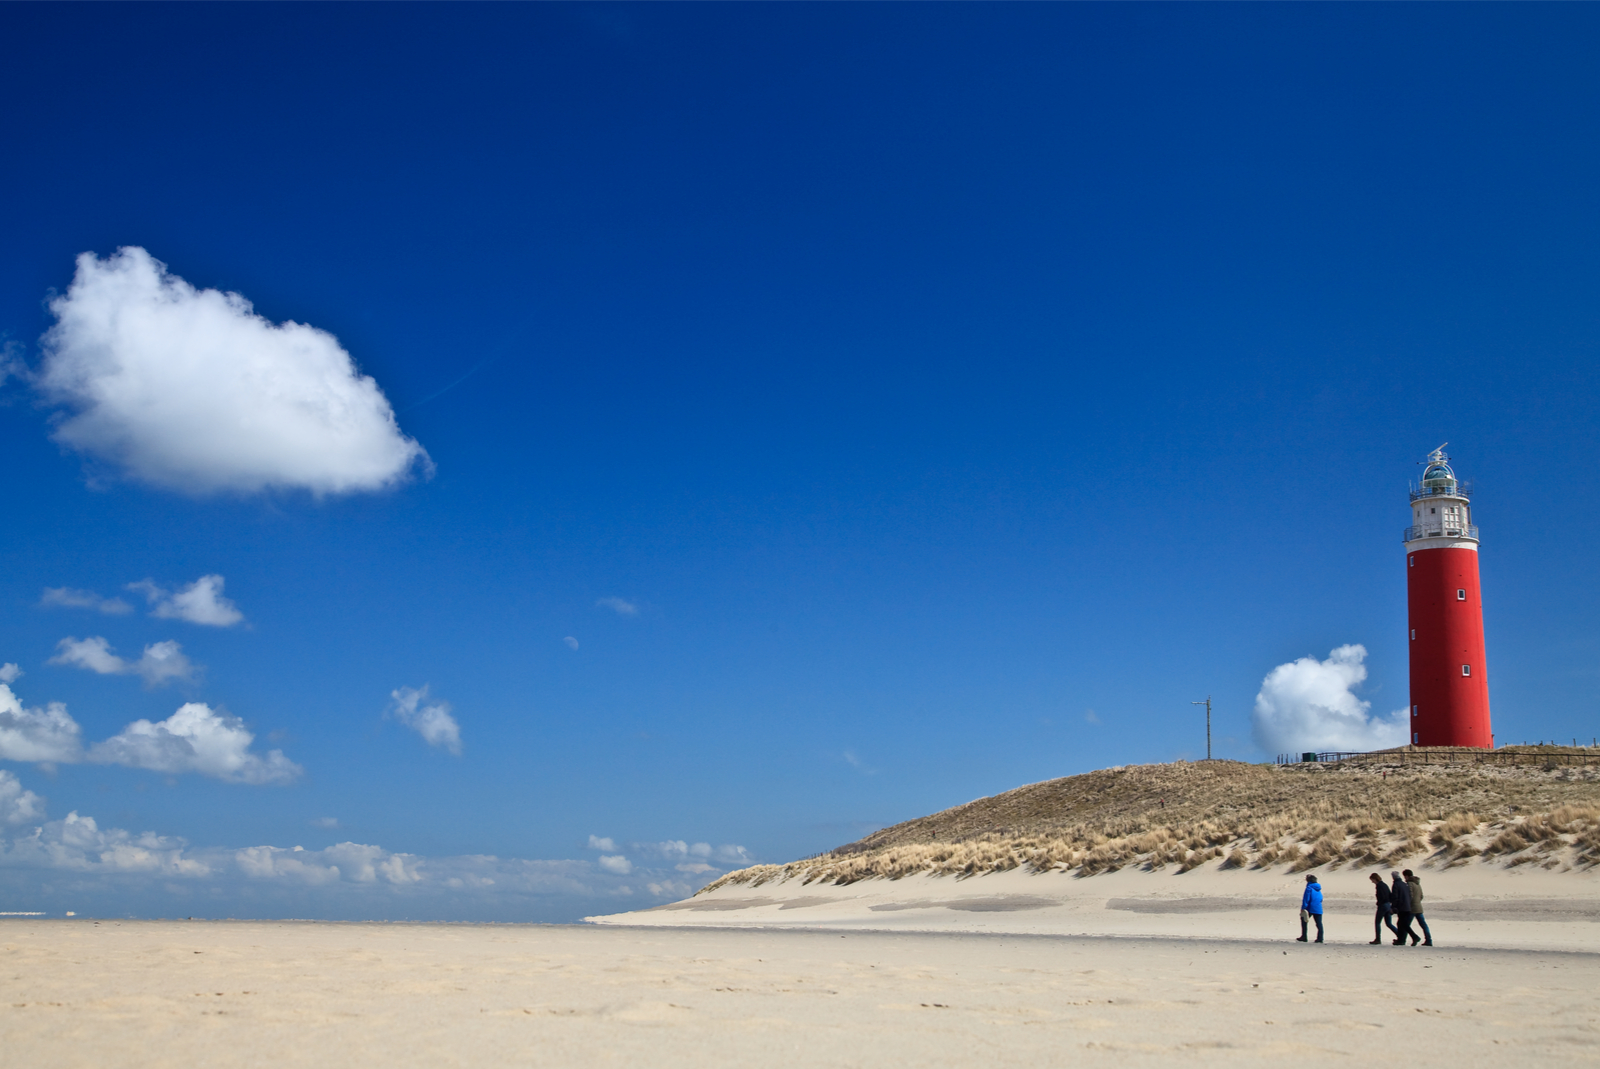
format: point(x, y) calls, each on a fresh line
point(1449, 685)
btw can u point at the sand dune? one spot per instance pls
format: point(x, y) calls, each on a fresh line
point(73, 993)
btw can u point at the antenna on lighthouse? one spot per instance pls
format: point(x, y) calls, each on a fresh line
point(1207, 704)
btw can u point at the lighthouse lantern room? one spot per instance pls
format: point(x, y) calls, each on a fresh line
point(1449, 684)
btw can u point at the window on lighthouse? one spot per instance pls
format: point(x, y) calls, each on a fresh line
point(1461, 595)
point(1466, 669)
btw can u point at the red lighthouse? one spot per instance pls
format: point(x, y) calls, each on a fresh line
point(1449, 685)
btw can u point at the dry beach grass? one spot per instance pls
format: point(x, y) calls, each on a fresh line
point(1184, 815)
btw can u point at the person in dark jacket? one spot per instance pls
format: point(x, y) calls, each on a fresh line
point(1400, 896)
point(1414, 885)
point(1311, 907)
point(1385, 914)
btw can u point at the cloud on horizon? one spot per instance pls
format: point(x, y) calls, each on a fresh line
point(161, 661)
point(430, 719)
point(77, 859)
point(190, 390)
point(1309, 704)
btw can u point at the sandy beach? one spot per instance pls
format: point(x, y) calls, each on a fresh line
point(1478, 905)
point(154, 993)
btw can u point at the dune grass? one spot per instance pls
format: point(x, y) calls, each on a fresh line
point(1188, 814)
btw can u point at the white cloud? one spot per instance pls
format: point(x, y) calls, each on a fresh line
point(855, 762)
point(1309, 704)
point(324, 822)
point(193, 739)
point(1089, 717)
point(111, 870)
point(201, 602)
point(77, 844)
point(18, 806)
point(11, 363)
point(161, 660)
point(733, 855)
point(47, 735)
point(68, 598)
point(605, 844)
point(191, 390)
point(9, 673)
point(618, 605)
point(678, 849)
point(571, 642)
point(431, 720)
point(199, 739)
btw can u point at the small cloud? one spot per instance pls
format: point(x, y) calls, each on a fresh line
point(691, 853)
point(18, 806)
point(694, 867)
point(9, 673)
point(729, 854)
point(602, 843)
point(161, 660)
point(430, 719)
point(199, 739)
point(190, 390)
point(324, 822)
point(856, 763)
point(616, 864)
point(1089, 717)
point(571, 642)
point(12, 364)
point(67, 598)
point(619, 606)
point(670, 889)
point(201, 602)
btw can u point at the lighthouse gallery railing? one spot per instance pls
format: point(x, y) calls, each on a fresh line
point(1423, 531)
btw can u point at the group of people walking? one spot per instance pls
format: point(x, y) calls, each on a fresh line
point(1399, 906)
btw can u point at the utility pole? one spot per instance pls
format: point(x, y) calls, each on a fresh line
point(1207, 704)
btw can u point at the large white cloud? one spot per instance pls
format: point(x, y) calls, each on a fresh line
point(1309, 704)
point(201, 602)
point(47, 735)
point(430, 719)
point(191, 390)
point(196, 738)
point(160, 662)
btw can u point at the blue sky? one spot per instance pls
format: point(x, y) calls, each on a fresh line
point(893, 404)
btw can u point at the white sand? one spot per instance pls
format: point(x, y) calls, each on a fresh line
point(1478, 905)
point(73, 993)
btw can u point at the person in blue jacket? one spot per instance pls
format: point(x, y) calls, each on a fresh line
point(1311, 907)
